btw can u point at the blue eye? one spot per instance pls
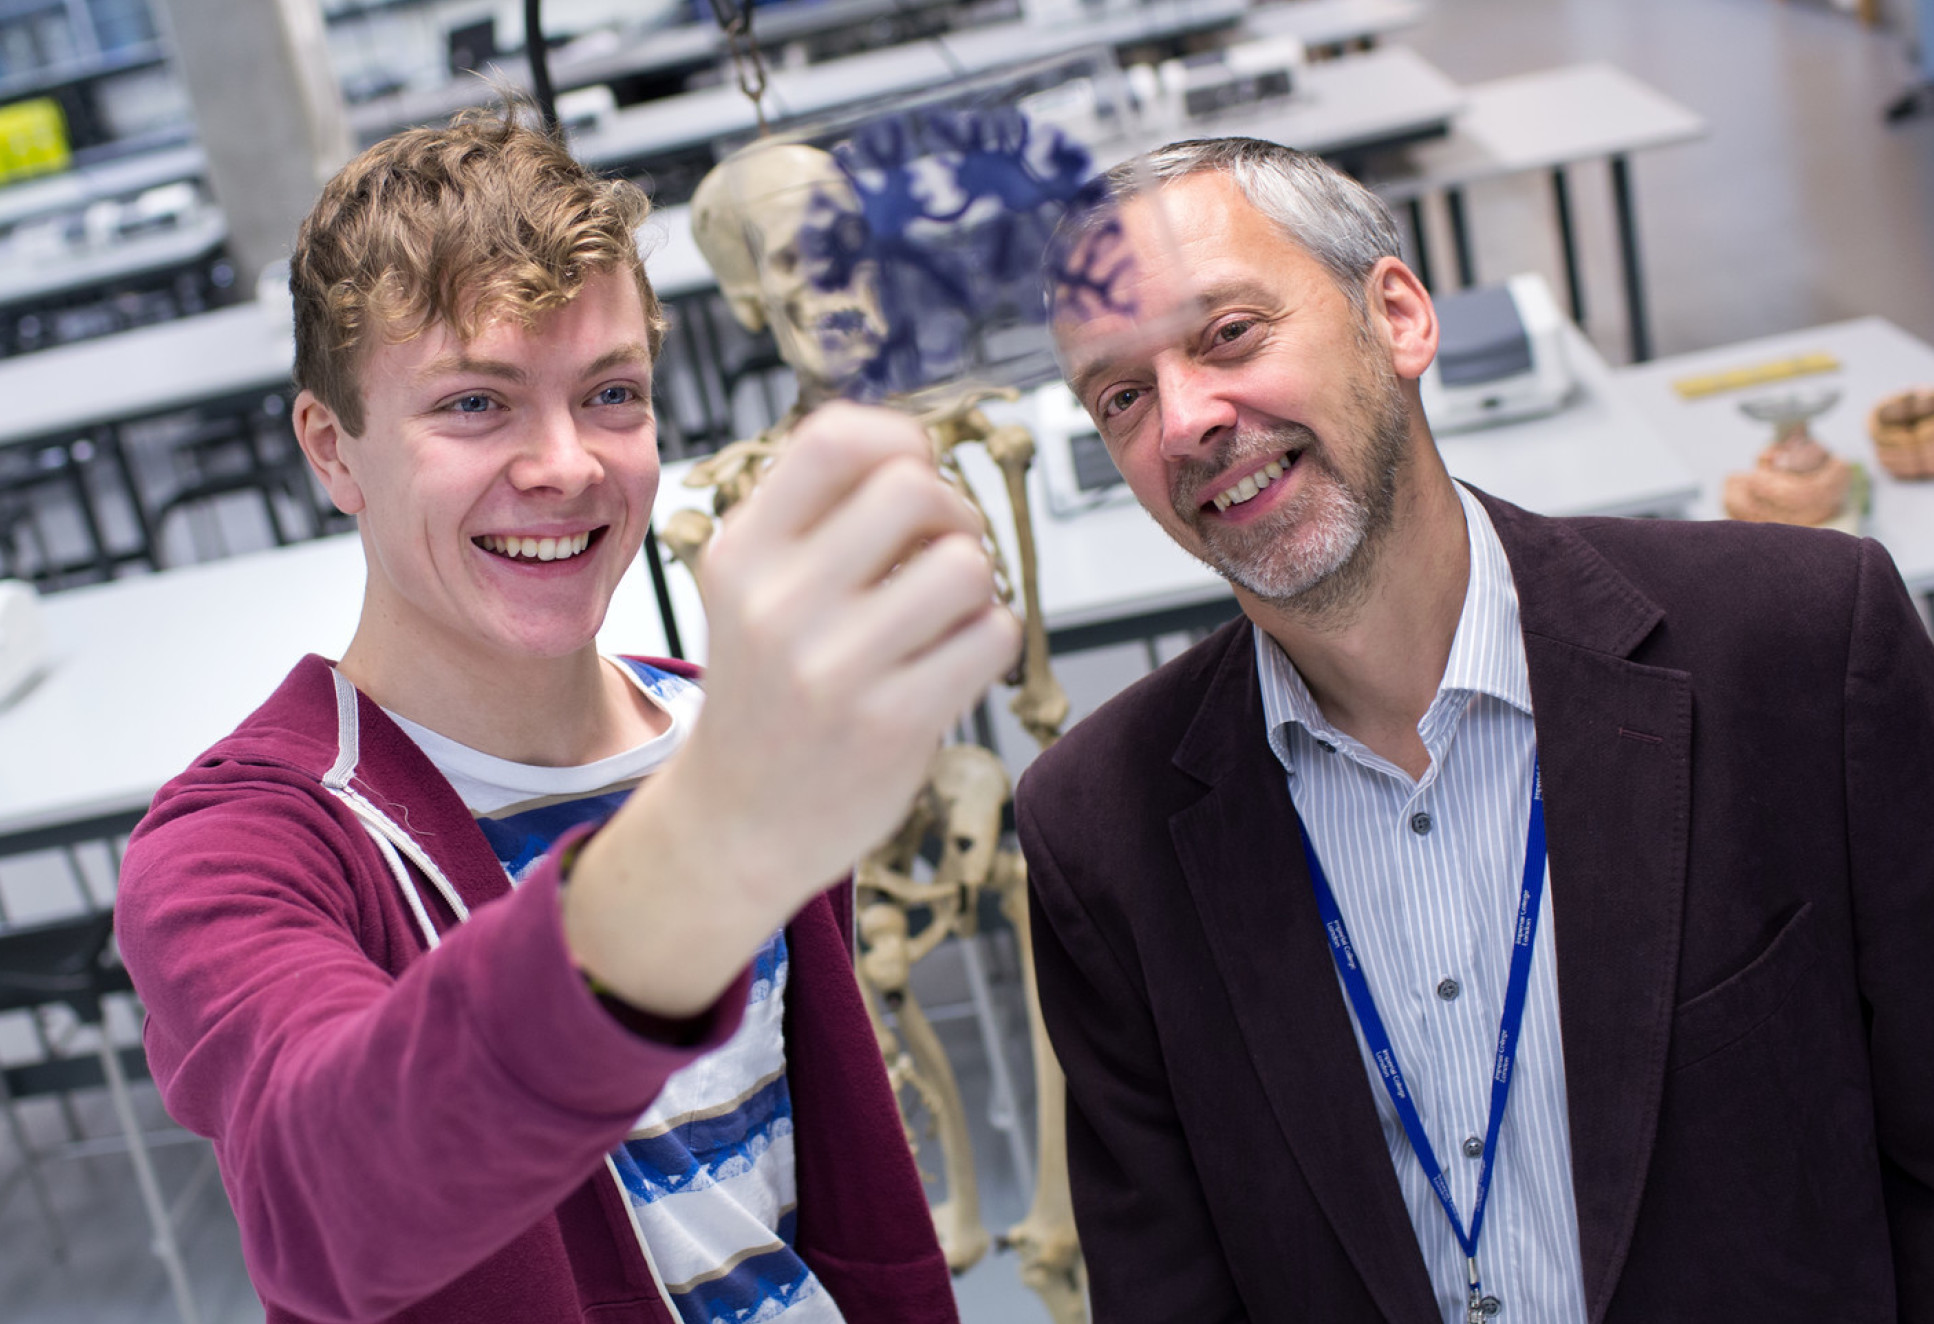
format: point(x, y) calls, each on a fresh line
point(471, 404)
point(615, 395)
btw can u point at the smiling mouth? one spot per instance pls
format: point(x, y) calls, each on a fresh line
point(515, 548)
point(1251, 484)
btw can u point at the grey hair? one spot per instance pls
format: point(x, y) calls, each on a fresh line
point(1330, 216)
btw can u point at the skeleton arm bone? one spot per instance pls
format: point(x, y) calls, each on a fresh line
point(1042, 705)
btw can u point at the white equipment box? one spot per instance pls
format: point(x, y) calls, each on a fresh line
point(1499, 357)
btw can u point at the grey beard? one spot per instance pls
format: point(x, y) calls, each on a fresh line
point(1328, 581)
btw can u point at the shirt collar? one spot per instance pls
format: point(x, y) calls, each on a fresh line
point(1486, 657)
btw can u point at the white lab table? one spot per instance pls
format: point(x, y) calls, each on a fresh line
point(1344, 107)
point(74, 189)
point(78, 397)
point(1599, 455)
point(671, 124)
point(1329, 24)
point(1877, 359)
point(613, 55)
point(141, 373)
point(145, 673)
point(42, 276)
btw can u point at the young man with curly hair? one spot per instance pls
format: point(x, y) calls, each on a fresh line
point(504, 975)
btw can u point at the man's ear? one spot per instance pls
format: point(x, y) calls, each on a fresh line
point(1401, 304)
point(321, 434)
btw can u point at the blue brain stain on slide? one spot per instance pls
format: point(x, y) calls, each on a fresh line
point(958, 211)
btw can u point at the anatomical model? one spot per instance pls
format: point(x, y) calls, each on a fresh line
point(761, 219)
point(1795, 480)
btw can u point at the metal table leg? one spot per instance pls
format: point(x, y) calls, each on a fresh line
point(1568, 241)
point(1420, 242)
point(109, 439)
point(166, 1246)
point(75, 456)
point(1628, 245)
point(1461, 238)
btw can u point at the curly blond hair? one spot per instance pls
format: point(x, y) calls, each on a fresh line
point(482, 219)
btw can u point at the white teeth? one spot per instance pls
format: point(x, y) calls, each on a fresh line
point(536, 549)
point(1250, 485)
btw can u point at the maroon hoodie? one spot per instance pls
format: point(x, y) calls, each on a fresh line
point(420, 1135)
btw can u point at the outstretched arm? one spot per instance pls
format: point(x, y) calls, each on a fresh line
point(851, 619)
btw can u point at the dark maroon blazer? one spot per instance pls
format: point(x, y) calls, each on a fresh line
point(1736, 728)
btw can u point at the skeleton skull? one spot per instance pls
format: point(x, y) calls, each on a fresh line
point(774, 220)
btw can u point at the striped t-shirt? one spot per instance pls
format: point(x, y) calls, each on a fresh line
point(708, 1171)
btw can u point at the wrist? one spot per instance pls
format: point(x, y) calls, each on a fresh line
point(647, 919)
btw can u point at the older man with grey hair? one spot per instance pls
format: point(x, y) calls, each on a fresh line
point(1344, 1039)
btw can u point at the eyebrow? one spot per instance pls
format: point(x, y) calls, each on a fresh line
point(1236, 287)
point(1082, 382)
point(1230, 291)
point(631, 354)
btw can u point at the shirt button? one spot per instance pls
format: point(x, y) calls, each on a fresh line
point(1473, 1147)
point(1448, 990)
point(1489, 1307)
point(1420, 823)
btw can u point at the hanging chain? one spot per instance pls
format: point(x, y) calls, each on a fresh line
point(735, 20)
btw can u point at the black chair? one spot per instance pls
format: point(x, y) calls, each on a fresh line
point(23, 544)
point(69, 963)
point(36, 482)
point(246, 451)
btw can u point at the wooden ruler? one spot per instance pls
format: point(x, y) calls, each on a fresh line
point(1756, 374)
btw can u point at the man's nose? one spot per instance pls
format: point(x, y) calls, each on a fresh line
point(1194, 413)
point(554, 455)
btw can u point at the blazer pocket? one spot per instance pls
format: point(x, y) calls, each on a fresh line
point(1742, 1002)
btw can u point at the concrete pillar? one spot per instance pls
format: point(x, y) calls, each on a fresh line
point(268, 113)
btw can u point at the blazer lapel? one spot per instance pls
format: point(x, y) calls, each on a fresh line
point(1614, 740)
point(1241, 856)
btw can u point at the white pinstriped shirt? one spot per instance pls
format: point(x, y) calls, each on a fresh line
point(1427, 875)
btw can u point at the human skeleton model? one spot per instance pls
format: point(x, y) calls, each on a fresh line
point(748, 217)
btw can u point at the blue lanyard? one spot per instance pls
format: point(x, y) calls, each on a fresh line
point(1385, 1056)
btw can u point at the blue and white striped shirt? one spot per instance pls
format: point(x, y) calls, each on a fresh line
point(708, 1170)
point(1427, 876)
